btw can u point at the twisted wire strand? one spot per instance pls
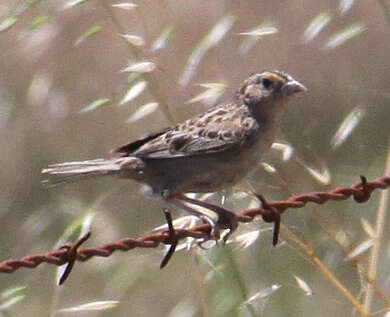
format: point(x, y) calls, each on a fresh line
point(361, 192)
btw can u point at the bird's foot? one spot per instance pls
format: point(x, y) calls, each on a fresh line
point(226, 219)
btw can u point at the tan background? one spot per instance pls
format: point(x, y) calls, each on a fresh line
point(45, 81)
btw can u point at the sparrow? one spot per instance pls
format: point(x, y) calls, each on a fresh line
point(207, 153)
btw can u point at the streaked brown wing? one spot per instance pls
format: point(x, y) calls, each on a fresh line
point(129, 148)
point(212, 132)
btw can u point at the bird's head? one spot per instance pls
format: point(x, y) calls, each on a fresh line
point(268, 91)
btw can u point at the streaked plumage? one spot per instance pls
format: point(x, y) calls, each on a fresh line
point(206, 153)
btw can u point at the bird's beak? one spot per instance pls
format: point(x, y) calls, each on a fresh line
point(293, 86)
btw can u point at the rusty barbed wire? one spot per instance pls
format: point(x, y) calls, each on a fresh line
point(270, 212)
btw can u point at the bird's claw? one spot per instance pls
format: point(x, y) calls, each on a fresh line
point(226, 220)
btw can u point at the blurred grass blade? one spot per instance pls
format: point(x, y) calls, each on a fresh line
point(347, 127)
point(184, 308)
point(247, 239)
point(344, 35)
point(10, 297)
point(11, 292)
point(286, 149)
point(38, 22)
point(303, 286)
point(210, 95)
point(86, 224)
point(361, 248)
point(269, 168)
point(7, 23)
point(254, 35)
point(32, 3)
point(342, 238)
point(132, 77)
point(386, 9)
point(143, 111)
point(260, 31)
point(134, 92)
point(345, 6)
point(93, 306)
point(133, 39)
point(239, 194)
point(24, 5)
point(90, 32)
point(40, 87)
point(262, 294)
point(141, 67)
point(10, 302)
point(215, 35)
point(125, 5)
point(218, 32)
point(179, 223)
point(162, 41)
point(316, 26)
point(78, 228)
point(322, 175)
point(96, 105)
point(368, 229)
point(216, 86)
point(73, 3)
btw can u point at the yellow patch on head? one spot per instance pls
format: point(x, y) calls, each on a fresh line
point(276, 78)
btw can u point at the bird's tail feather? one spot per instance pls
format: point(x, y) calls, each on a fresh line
point(69, 172)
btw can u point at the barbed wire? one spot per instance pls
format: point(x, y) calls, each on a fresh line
point(270, 212)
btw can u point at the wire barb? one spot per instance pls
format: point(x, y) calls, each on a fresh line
point(273, 215)
point(172, 238)
point(270, 212)
point(365, 192)
point(71, 256)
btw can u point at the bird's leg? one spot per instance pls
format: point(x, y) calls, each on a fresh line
point(226, 218)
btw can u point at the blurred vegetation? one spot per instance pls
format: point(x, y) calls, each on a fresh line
point(81, 77)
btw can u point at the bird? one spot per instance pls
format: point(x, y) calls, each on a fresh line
point(207, 153)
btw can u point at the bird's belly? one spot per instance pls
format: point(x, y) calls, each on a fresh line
point(225, 172)
point(204, 173)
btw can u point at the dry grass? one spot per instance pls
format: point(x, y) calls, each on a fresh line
point(63, 78)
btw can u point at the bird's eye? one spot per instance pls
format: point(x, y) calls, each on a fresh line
point(267, 83)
